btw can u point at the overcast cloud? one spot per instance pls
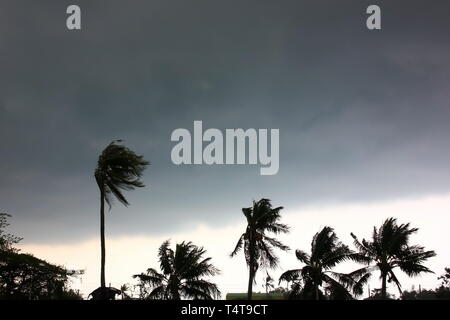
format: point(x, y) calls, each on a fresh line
point(363, 116)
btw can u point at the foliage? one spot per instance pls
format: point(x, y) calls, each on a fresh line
point(257, 244)
point(389, 249)
point(268, 283)
point(445, 278)
point(316, 279)
point(7, 241)
point(118, 169)
point(279, 290)
point(23, 276)
point(376, 294)
point(440, 293)
point(71, 294)
point(125, 291)
point(182, 276)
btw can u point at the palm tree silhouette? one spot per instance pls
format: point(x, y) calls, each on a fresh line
point(118, 169)
point(182, 274)
point(389, 249)
point(326, 252)
point(268, 283)
point(258, 247)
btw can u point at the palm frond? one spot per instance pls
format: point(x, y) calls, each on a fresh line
point(119, 168)
point(302, 256)
point(183, 273)
point(290, 275)
point(238, 246)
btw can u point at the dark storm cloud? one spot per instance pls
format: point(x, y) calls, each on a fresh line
point(363, 115)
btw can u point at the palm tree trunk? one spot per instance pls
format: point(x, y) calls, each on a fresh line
point(383, 285)
point(316, 289)
point(251, 268)
point(102, 238)
point(250, 282)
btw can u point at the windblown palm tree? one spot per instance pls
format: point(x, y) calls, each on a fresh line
point(268, 283)
point(389, 249)
point(258, 246)
point(317, 275)
point(118, 169)
point(182, 274)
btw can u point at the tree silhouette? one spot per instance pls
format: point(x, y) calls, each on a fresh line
point(445, 278)
point(118, 169)
point(182, 276)
point(268, 283)
point(25, 277)
point(317, 274)
point(389, 249)
point(125, 291)
point(258, 246)
point(7, 240)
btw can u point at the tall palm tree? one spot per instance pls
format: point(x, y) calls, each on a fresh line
point(258, 246)
point(326, 253)
point(182, 274)
point(388, 249)
point(118, 169)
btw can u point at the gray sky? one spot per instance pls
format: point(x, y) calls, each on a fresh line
point(363, 115)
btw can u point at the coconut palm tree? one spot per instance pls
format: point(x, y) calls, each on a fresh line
point(258, 246)
point(317, 276)
point(389, 249)
point(182, 276)
point(268, 283)
point(125, 291)
point(118, 169)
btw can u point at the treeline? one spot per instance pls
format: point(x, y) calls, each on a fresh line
point(315, 278)
point(25, 277)
point(185, 272)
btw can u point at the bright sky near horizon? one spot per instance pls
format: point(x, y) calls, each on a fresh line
point(134, 254)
